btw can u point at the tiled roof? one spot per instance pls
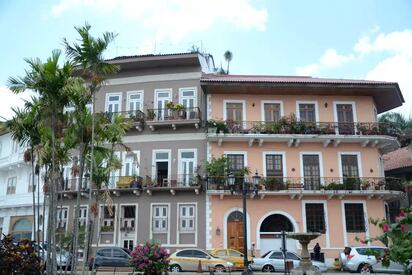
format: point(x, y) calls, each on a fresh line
point(285, 79)
point(147, 55)
point(400, 158)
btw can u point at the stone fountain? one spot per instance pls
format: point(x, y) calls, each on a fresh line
point(305, 267)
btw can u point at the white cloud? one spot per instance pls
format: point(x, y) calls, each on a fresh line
point(329, 59)
point(10, 100)
point(173, 20)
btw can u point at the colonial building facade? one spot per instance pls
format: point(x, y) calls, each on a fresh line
point(312, 148)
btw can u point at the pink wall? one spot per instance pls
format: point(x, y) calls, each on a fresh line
point(369, 156)
point(364, 105)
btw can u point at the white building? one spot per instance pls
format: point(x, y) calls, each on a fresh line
point(16, 201)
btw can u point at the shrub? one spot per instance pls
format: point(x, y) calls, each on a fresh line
point(150, 258)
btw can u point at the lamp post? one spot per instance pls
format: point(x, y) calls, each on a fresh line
point(245, 190)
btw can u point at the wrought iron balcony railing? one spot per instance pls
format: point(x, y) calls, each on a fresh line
point(165, 115)
point(301, 127)
point(306, 183)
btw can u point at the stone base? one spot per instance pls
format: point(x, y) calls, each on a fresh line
point(305, 271)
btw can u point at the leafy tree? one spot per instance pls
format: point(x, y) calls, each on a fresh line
point(228, 57)
point(403, 123)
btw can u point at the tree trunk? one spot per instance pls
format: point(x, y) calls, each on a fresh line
point(34, 195)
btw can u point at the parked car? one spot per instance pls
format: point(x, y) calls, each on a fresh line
point(188, 260)
point(63, 257)
point(355, 258)
point(231, 255)
point(113, 256)
point(273, 261)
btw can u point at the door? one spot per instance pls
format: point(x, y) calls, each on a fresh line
point(234, 116)
point(188, 99)
point(113, 103)
point(187, 167)
point(235, 235)
point(162, 98)
point(311, 172)
point(134, 102)
point(272, 112)
point(345, 119)
point(276, 259)
point(120, 257)
point(162, 171)
point(274, 170)
point(350, 170)
point(128, 244)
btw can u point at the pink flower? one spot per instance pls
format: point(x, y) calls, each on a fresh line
point(403, 227)
point(362, 241)
point(385, 227)
point(402, 213)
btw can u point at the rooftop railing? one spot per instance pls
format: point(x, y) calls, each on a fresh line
point(306, 183)
point(305, 128)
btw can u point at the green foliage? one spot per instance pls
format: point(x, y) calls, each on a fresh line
point(399, 125)
point(216, 167)
point(19, 258)
point(397, 237)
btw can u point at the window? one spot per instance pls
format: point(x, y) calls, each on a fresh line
point(187, 217)
point(32, 187)
point(221, 253)
point(234, 111)
point(135, 101)
point(82, 216)
point(291, 256)
point(106, 252)
point(236, 162)
point(187, 164)
point(307, 112)
point(345, 119)
point(354, 217)
point(188, 98)
point(350, 168)
point(274, 165)
point(11, 185)
point(234, 253)
point(160, 221)
point(200, 254)
point(272, 112)
point(113, 103)
point(117, 253)
point(62, 215)
point(311, 171)
point(315, 217)
point(185, 253)
point(276, 255)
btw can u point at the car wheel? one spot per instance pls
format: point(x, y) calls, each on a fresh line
point(359, 270)
point(175, 268)
point(219, 269)
point(316, 267)
point(268, 268)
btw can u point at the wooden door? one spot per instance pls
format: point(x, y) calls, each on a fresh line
point(345, 119)
point(311, 172)
point(235, 235)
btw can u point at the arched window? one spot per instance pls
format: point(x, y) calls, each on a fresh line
point(235, 216)
point(22, 229)
point(276, 223)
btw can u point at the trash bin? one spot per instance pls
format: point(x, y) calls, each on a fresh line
point(289, 266)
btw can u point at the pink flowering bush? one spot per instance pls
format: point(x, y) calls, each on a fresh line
point(150, 258)
point(397, 237)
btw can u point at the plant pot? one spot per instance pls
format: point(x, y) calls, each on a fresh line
point(212, 130)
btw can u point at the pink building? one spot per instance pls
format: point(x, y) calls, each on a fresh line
point(316, 146)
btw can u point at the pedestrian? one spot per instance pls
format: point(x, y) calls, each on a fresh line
point(316, 252)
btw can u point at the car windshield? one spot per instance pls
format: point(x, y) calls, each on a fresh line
point(264, 255)
point(126, 250)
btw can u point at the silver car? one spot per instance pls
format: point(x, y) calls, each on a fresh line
point(273, 261)
point(355, 258)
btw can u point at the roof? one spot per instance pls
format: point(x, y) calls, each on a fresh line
point(400, 158)
point(150, 56)
point(387, 95)
point(286, 79)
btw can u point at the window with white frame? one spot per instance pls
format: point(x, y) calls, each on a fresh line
point(187, 217)
point(32, 185)
point(11, 185)
point(307, 112)
point(134, 101)
point(62, 215)
point(187, 165)
point(160, 218)
point(113, 103)
point(82, 216)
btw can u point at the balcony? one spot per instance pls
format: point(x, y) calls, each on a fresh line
point(157, 118)
point(381, 135)
point(310, 186)
point(137, 118)
point(137, 185)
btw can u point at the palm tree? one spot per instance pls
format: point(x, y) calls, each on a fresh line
point(228, 57)
point(48, 80)
point(88, 57)
point(400, 122)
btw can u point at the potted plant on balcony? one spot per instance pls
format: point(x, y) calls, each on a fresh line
point(151, 114)
point(180, 109)
point(138, 119)
point(107, 228)
point(216, 171)
point(365, 185)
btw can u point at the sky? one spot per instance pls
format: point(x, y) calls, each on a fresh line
point(368, 39)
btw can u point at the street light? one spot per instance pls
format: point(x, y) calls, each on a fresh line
point(245, 190)
point(231, 181)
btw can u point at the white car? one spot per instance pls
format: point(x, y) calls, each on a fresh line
point(273, 261)
point(355, 258)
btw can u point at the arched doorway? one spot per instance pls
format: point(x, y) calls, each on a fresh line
point(235, 234)
point(22, 229)
point(270, 233)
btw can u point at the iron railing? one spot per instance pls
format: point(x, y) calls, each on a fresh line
point(305, 183)
point(301, 127)
point(135, 115)
point(192, 113)
point(136, 182)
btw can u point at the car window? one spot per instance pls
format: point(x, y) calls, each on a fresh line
point(291, 256)
point(199, 254)
point(107, 252)
point(234, 253)
point(126, 250)
point(370, 251)
point(118, 253)
point(264, 255)
point(276, 255)
point(185, 253)
point(221, 253)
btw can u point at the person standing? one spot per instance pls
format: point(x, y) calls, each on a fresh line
point(316, 252)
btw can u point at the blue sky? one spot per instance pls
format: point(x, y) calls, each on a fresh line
point(340, 39)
